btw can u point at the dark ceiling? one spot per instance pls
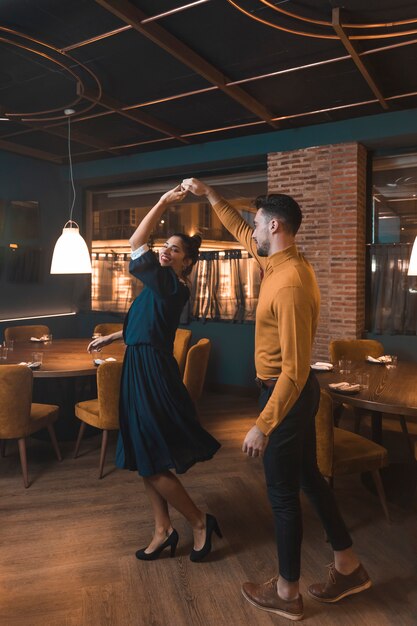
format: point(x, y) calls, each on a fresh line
point(152, 74)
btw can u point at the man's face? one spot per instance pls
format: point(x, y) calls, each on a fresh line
point(261, 233)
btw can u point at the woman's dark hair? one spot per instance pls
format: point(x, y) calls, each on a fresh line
point(283, 208)
point(191, 248)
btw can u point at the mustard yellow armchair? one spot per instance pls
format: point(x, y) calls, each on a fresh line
point(355, 349)
point(340, 452)
point(107, 329)
point(196, 368)
point(103, 412)
point(24, 333)
point(19, 417)
point(181, 343)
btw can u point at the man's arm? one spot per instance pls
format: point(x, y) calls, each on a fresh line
point(229, 217)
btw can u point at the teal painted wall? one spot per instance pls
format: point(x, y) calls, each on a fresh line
point(23, 178)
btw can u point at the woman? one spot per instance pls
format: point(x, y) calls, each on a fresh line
point(159, 430)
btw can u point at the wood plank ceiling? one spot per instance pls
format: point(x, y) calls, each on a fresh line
point(143, 75)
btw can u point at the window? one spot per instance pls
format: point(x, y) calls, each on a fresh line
point(115, 213)
point(394, 229)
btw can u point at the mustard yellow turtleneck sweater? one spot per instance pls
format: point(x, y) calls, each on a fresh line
point(286, 319)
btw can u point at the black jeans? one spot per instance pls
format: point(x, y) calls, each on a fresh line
point(290, 462)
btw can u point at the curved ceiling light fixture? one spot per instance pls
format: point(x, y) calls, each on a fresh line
point(77, 70)
point(71, 254)
point(321, 24)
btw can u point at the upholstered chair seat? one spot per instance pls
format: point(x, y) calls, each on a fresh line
point(340, 452)
point(24, 333)
point(19, 417)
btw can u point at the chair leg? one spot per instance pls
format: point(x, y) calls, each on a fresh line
point(23, 460)
point(409, 442)
point(55, 446)
point(357, 423)
point(3, 447)
point(381, 493)
point(104, 441)
point(80, 436)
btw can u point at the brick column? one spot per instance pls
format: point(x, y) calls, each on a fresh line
point(329, 182)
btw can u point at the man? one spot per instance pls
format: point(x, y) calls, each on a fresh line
point(284, 433)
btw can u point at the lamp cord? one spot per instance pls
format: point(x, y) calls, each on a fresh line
point(71, 173)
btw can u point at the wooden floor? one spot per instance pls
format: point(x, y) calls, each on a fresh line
point(68, 543)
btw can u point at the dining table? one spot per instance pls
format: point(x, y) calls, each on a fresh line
point(67, 375)
point(389, 390)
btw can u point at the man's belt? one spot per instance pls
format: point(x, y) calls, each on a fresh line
point(266, 383)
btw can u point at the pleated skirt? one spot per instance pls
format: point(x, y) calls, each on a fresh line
point(159, 429)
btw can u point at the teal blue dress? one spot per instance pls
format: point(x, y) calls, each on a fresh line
point(159, 429)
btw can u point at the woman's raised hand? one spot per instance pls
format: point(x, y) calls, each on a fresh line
point(174, 195)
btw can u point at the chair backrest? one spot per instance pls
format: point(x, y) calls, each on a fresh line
point(196, 368)
point(24, 333)
point(107, 329)
point(15, 400)
point(108, 386)
point(181, 343)
point(355, 349)
point(325, 435)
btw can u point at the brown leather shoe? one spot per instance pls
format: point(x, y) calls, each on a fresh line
point(265, 597)
point(339, 585)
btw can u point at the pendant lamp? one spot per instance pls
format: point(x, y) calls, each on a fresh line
point(71, 254)
point(412, 266)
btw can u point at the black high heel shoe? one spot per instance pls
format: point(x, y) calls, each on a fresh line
point(211, 526)
point(170, 541)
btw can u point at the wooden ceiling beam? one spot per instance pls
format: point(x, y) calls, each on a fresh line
point(86, 140)
point(30, 152)
point(340, 32)
point(130, 14)
point(139, 117)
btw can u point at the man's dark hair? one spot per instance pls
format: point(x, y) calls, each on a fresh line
point(283, 208)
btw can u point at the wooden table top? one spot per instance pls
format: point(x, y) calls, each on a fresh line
point(63, 358)
point(391, 389)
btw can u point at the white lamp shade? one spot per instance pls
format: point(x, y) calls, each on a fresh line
point(71, 255)
point(412, 266)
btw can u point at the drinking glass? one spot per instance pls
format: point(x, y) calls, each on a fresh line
point(37, 357)
point(8, 343)
point(394, 360)
point(345, 366)
point(3, 353)
point(47, 339)
point(363, 380)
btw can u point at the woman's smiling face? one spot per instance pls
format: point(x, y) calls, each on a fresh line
point(172, 254)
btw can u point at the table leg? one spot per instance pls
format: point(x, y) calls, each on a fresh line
point(377, 427)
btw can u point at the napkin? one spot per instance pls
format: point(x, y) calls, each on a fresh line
point(321, 365)
point(43, 338)
point(345, 386)
point(385, 358)
point(32, 364)
point(100, 361)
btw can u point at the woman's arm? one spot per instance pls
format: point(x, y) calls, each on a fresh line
point(100, 342)
point(143, 231)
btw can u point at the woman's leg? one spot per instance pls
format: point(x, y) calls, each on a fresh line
point(163, 526)
point(171, 490)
